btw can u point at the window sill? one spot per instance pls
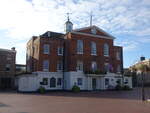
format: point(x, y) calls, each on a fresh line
point(94, 54)
point(45, 70)
point(46, 53)
point(60, 54)
point(59, 70)
point(79, 70)
point(106, 55)
point(79, 53)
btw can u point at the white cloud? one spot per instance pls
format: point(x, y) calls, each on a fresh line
point(144, 40)
point(144, 32)
point(25, 18)
point(128, 45)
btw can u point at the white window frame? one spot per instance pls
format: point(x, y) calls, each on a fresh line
point(106, 50)
point(94, 65)
point(79, 81)
point(93, 48)
point(93, 31)
point(107, 67)
point(46, 48)
point(46, 65)
point(79, 46)
point(79, 66)
point(59, 65)
point(60, 49)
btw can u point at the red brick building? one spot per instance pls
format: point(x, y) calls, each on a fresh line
point(7, 68)
point(36, 55)
point(113, 58)
point(86, 57)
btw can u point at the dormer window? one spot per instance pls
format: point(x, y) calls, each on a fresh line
point(48, 34)
point(93, 31)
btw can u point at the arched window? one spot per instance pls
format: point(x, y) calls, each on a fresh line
point(79, 46)
point(93, 48)
point(106, 49)
point(52, 82)
point(94, 66)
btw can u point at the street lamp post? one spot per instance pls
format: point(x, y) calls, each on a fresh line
point(143, 89)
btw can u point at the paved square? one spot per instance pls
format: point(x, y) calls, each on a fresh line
point(67, 102)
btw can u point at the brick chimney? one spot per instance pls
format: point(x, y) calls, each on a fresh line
point(13, 48)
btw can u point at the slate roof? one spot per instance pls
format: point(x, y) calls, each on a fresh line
point(6, 50)
point(51, 34)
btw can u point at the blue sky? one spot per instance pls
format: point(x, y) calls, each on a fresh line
point(127, 20)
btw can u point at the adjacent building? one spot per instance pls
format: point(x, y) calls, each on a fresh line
point(142, 61)
point(7, 68)
point(135, 69)
point(85, 57)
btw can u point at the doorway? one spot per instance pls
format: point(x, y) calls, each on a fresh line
point(5, 83)
point(94, 83)
point(52, 82)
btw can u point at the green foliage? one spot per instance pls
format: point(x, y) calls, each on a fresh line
point(97, 72)
point(118, 87)
point(75, 89)
point(41, 90)
point(126, 87)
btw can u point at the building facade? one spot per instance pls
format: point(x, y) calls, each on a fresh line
point(7, 68)
point(85, 57)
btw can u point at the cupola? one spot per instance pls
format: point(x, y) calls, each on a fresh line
point(68, 25)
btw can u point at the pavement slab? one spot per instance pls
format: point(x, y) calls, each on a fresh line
point(68, 102)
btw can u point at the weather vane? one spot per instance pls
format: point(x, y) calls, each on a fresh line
point(68, 16)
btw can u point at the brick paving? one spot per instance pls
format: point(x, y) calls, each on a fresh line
point(67, 102)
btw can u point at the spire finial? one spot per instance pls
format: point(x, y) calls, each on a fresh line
point(68, 16)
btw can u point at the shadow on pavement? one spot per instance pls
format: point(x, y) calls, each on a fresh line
point(134, 94)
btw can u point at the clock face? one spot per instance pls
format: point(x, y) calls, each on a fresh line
point(93, 31)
